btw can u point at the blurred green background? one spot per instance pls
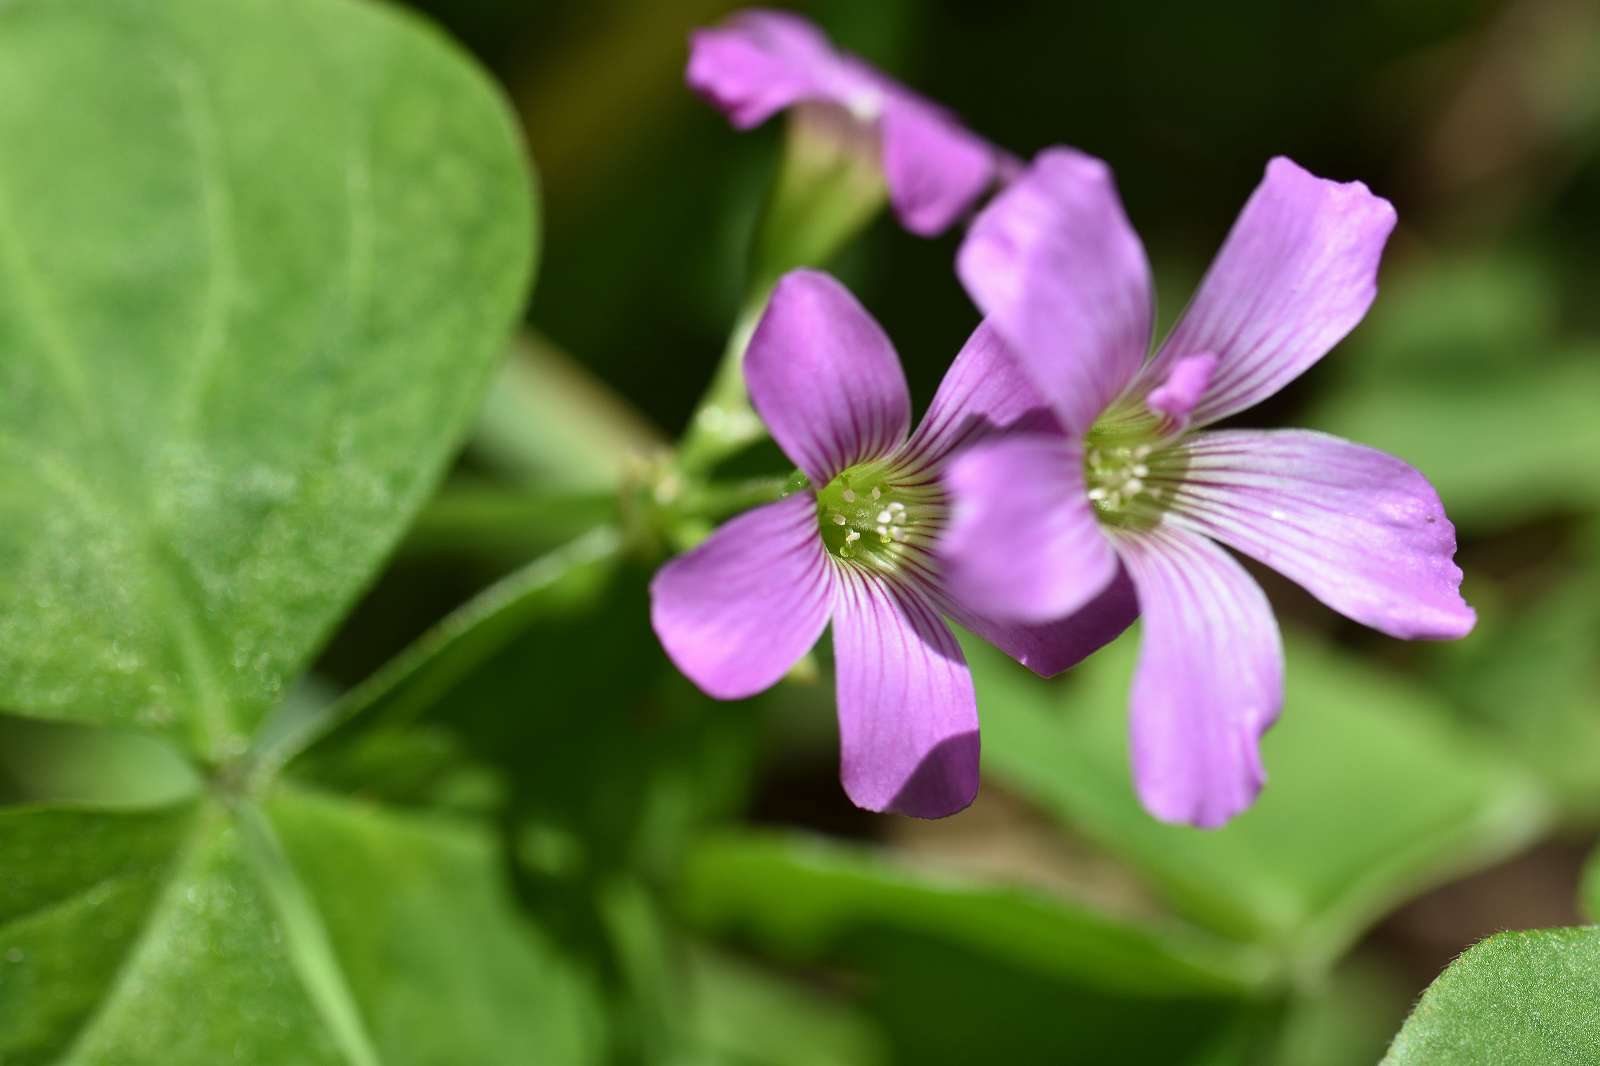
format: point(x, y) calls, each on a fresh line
point(714, 895)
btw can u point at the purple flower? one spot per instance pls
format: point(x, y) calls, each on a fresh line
point(758, 63)
point(854, 548)
point(1137, 486)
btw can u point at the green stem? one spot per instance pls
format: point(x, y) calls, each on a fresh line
point(719, 500)
point(724, 422)
point(829, 186)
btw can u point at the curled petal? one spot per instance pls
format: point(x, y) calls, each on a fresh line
point(1359, 529)
point(908, 719)
point(1296, 274)
point(984, 391)
point(1186, 382)
point(1023, 542)
point(760, 62)
point(1056, 266)
point(934, 167)
point(824, 377)
point(1209, 680)
point(738, 611)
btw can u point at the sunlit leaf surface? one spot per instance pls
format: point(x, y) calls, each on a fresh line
point(243, 330)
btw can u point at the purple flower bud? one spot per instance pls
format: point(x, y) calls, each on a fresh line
point(758, 63)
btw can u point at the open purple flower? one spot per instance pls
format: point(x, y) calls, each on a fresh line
point(1136, 485)
point(758, 63)
point(854, 547)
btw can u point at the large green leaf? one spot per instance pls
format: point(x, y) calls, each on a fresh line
point(316, 931)
point(257, 259)
point(807, 899)
point(960, 970)
point(1515, 999)
point(1371, 795)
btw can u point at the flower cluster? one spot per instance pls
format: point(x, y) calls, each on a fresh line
point(1064, 480)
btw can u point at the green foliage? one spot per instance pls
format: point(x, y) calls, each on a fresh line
point(187, 934)
point(1354, 747)
point(1462, 373)
point(808, 899)
point(1547, 648)
point(1516, 999)
point(962, 969)
point(242, 341)
point(743, 1014)
point(258, 259)
point(214, 433)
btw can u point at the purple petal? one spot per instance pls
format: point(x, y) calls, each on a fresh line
point(1360, 530)
point(1055, 264)
point(1209, 680)
point(1048, 648)
point(935, 169)
point(1023, 541)
point(824, 378)
point(738, 611)
point(1295, 275)
point(984, 391)
point(760, 62)
point(908, 720)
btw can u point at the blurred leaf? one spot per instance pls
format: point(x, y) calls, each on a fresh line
point(1462, 373)
point(549, 422)
point(555, 679)
point(1499, 448)
point(569, 579)
point(66, 763)
point(478, 520)
point(806, 899)
point(742, 1015)
point(1345, 1018)
point(959, 971)
point(1371, 796)
point(420, 918)
point(1515, 999)
point(185, 935)
point(1530, 672)
point(1590, 895)
point(255, 268)
point(1466, 316)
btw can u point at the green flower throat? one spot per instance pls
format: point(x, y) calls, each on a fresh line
point(1130, 467)
point(875, 516)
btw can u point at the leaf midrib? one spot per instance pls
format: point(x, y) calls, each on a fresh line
point(310, 953)
point(183, 856)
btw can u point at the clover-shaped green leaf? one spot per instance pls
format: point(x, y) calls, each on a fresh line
point(256, 261)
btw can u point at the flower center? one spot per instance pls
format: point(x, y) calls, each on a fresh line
point(1116, 475)
point(871, 518)
point(1129, 469)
